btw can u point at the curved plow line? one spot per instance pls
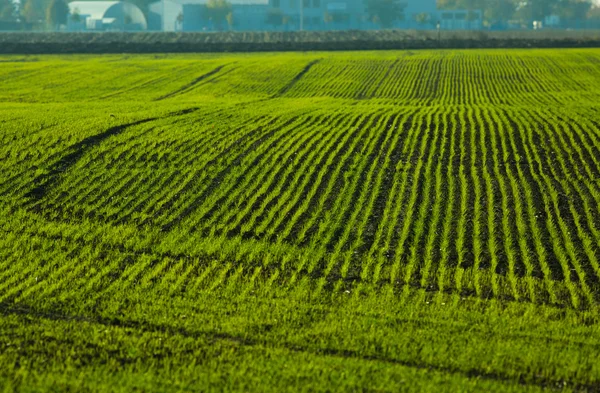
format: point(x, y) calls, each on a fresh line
point(429, 253)
point(129, 278)
point(581, 189)
point(398, 205)
point(301, 204)
point(540, 244)
point(564, 252)
point(466, 117)
point(496, 88)
point(382, 166)
point(76, 195)
point(449, 213)
point(418, 227)
point(353, 82)
point(588, 142)
point(566, 176)
point(220, 279)
point(489, 200)
point(265, 165)
point(250, 286)
point(358, 220)
point(572, 187)
point(257, 186)
point(219, 203)
point(170, 275)
point(186, 160)
point(256, 151)
point(389, 84)
point(534, 230)
point(202, 280)
point(536, 82)
point(411, 206)
point(400, 86)
point(491, 226)
point(524, 248)
point(330, 193)
point(308, 86)
point(178, 287)
point(578, 179)
point(176, 206)
point(513, 223)
point(27, 279)
point(148, 199)
point(99, 280)
point(13, 255)
point(355, 136)
point(50, 279)
point(78, 183)
point(187, 179)
point(68, 167)
point(392, 166)
point(281, 200)
point(341, 164)
point(341, 198)
point(273, 173)
point(591, 129)
point(420, 79)
point(342, 208)
point(463, 212)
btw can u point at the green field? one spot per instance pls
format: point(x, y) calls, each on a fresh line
point(423, 221)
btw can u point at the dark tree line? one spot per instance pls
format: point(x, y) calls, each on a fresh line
point(42, 13)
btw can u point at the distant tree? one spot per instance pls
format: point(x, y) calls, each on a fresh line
point(527, 11)
point(385, 12)
point(179, 21)
point(594, 13)
point(216, 11)
point(498, 11)
point(34, 11)
point(57, 14)
point(573, 9)
point(75, 16)
point(7, 11)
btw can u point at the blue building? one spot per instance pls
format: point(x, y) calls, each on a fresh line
point(294, 15)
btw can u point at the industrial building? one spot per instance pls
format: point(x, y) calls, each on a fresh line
point(105, 16)
point(294, 15)
point(258, 15)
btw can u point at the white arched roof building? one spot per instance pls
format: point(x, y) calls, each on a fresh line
point(106, 15)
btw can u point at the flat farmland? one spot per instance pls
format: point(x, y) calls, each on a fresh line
point(399, 221)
